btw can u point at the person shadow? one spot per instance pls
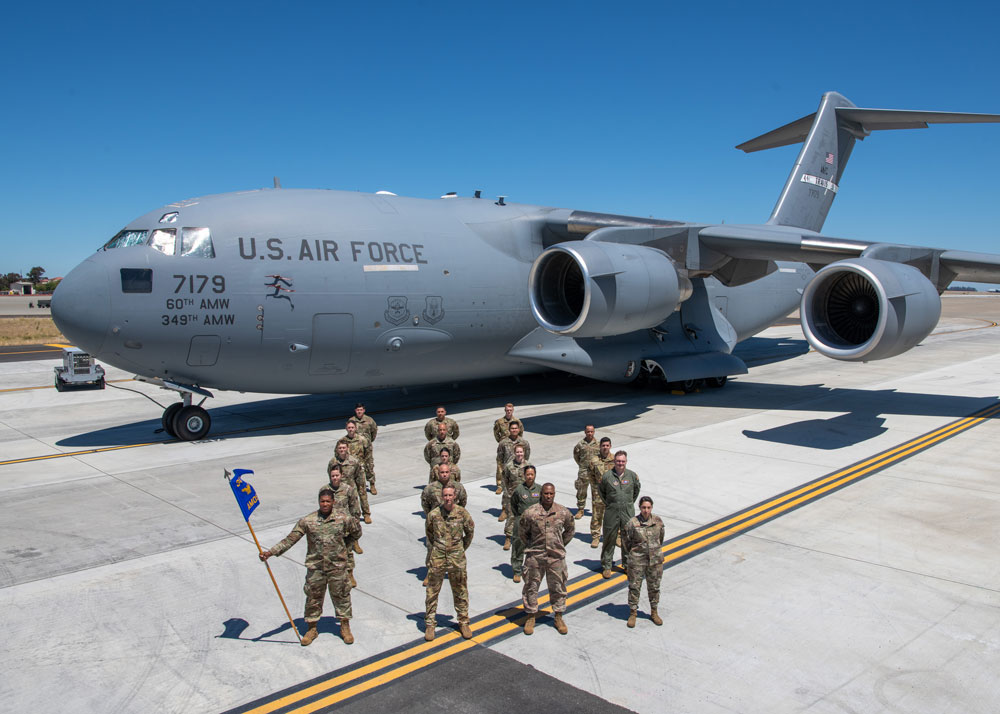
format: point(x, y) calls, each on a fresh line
point(234, 627)
point(615, 610)
point(505, 570)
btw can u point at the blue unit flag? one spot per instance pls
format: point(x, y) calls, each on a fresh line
point(245, 495)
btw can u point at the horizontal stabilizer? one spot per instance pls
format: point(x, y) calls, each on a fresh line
point(867, 121)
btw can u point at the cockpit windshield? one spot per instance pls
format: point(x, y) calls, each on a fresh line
point(197, 243)
point(164, 240)
point(127, 238)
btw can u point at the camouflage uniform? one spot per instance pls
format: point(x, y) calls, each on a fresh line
point(583, 453)
point(619, 495)
point(449, 535)
point(501, 430)
point(546, 535)
point(366, 427)
point(431, 429)
point(430, 498)
point(513, 476)
point(456, 473)
point(361, 449)
point(598, 467)
point(432, 450)
point(505, 453)
point(644, 542)
point(345, 497)
point(520, 501)
point(329, 541)
point(354, 473)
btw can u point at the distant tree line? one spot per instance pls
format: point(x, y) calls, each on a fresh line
point(36, 276)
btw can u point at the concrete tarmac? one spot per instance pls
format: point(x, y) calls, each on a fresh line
point(130, 583)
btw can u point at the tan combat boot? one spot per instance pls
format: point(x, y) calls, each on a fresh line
point(373, 489)
point(354, 583)
point(631, 618)
point(517, 577)
point(529, 625)
point(607, 574)
point(345, 632)
point(506, 543)
point(560, 625)
point(311, 634)
point(579, 513)
point(502, 517)
point(426, 578)
point(368, 518)
point(657, 620)
point(357, 548)
point(429, 633)
point(595, 541)
point(466, 631)
point(499, 489)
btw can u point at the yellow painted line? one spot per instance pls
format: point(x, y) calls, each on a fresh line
point(28, 352)
point(78, 453)
point(592, 585)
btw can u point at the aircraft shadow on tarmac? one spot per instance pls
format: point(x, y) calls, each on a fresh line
point(855, 422)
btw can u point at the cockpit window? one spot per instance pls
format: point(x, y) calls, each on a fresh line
point(126, 238)
point(164, 240)
point(197, 242)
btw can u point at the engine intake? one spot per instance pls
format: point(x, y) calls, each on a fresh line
point(866, 309)
point(597, 289)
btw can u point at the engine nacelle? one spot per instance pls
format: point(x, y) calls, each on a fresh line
point(597, 289)
point(866, 309)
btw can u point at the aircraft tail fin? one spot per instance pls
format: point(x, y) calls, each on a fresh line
point(828, 137)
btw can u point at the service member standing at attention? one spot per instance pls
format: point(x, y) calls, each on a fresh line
point(366, 425)
point(431, 498)
point(585, 451)
point(505, 450)
point(526, 495)
point(600, 465)
point(432, 450)
point(361, 449)
point(444, 457)
point(546, 529)
point(330, 534)
point(345, 496)
point(501, 428)
point(430, 428)
point(449, 531)
point(353, 472)
point(619, 489)
point(513, 475)
point(644, 542)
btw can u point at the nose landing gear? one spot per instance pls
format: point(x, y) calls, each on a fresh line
point(184, 420)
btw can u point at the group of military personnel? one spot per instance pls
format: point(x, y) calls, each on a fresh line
point(537, 530)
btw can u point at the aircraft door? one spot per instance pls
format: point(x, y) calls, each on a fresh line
point(332, 339)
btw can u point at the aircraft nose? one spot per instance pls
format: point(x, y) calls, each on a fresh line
point(81, 306)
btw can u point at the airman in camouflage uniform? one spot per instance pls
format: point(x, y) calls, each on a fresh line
point(432, 450)
point(501, 428)
point(619, 489)
point(431, 498)
point(345, 496)
point(546, 529)
point(644, 542)
point(526, 494)
point(513, 474)
point(361, 449)
point(430, 428)
point(584, 452)
point(366, 425)
point(354, 473)
point(600, 465)
point(444, 457)
point(329, 533)
point(505, 450)
point(449, 531)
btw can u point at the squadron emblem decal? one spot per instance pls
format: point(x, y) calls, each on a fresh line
point(396, 311)
point(433, 309)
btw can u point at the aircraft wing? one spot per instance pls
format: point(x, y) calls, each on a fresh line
point(767, 243)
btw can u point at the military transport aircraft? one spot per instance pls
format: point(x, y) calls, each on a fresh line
point(307, 291)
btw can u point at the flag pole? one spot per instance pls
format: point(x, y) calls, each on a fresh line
point(275, 583)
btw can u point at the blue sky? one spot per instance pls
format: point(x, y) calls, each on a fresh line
point(113, 109)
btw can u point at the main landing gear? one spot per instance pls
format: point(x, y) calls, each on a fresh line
point(651, 375)
point(184, 420)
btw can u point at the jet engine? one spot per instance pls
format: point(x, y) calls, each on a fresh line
point(597, 289)
point(866, 309)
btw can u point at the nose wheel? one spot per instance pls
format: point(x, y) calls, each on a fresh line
point(187, 423)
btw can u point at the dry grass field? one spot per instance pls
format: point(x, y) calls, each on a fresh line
point(29, 331)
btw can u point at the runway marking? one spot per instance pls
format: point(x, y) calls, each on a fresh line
point(384, 668)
